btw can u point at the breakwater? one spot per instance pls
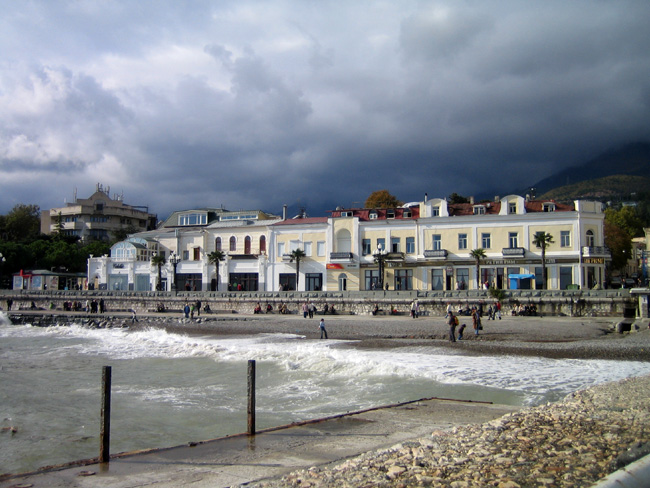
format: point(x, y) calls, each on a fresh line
point(588, 303)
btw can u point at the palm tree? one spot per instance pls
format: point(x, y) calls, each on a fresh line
point(478, 254)
point(543, 239)
point(297, 255)
point(159, 261)
point(215, 257)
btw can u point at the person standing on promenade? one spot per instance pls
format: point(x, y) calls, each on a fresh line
point(498, 308)
point(476, 321)
point(321, 327)
point(305, 310)
point(452, 322)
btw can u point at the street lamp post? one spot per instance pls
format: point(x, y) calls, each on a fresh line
point(380, 257)
point(174, 259)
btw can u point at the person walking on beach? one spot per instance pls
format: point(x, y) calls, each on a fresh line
point(452, 321)
point(321, 327)
point(497, 306)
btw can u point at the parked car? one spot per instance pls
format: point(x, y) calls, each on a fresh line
point(615, 282)
point(630, 283)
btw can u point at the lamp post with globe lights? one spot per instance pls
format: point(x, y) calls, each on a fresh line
point(380, 257)
point(174, 259)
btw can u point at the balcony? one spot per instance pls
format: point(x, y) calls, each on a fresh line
point(513, 252)
point(341, 256)
point(436, 254)
point(595, 251)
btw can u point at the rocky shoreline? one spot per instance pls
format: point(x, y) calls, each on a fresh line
point(573, 443)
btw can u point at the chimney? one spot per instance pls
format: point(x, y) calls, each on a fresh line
point(426, 197)
point(497, 198)
point(284, 212)
point(471, 200)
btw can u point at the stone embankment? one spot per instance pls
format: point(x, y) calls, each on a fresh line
point(573, 443)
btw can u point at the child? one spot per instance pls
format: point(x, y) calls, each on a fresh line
point(460, 332)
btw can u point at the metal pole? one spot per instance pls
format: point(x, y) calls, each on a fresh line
point(251, 397)
point(105, 429)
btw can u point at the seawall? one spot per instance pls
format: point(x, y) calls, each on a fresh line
point(573, 303)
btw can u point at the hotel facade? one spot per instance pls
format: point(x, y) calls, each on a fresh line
point(420, 246)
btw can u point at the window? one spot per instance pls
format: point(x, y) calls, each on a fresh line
point(186, 255)
point(192, 219)
point(196, 254)
point(366, 247)
point(512, 207)
point(390, 214)
point(437, 279)
point(462, 278)
point(406, 214)
point(404, 279)
point(313, 281)
point(410, 245)
point(565, 238)
point(247, 245)
point(486, 241)
point(437, 242)
point(233, 243)
point(280, 249)
point(479, 210)
point(462, 241)
point(381, 244)
point(590, 238)
point(372, 215)
point(513, 239)
point(394, 244)
point(293, 245)
point(346, 214)
point(548, 207)
point(307, 248)
point(320, 248)
point(217, 244)
point(262, 244)
point(435, 211)
point(372, 279)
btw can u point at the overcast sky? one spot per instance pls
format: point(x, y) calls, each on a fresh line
point(256, 104)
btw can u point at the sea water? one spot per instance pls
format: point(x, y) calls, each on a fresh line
point(170, 389)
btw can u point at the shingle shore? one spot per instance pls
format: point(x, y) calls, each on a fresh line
point(572, 443)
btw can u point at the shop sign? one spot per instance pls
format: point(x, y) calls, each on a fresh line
point(334, 266)
point(594, 260)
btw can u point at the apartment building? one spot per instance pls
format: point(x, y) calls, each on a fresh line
point(97, 217)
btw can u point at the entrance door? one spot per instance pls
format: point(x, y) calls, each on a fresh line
point(343, 282)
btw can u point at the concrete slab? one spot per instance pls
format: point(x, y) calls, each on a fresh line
point(238, 460)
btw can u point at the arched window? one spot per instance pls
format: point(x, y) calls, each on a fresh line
point(247, 245)
point(590, 238)
point(343, 282)
point(217, 244)
point(343, 241)
point(233, 243)
point(262, 244)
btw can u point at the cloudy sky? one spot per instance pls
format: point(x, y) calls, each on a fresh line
point(255, 104)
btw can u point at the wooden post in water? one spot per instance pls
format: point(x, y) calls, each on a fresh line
point(251, 397)
point(105, 429)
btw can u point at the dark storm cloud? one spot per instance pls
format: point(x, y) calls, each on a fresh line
point(256, 104)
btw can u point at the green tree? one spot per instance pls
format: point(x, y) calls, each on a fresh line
point(23, 223)
point(543, 240)
point(619, 243)
point(382, 199)
point(297, 255)
point(456, 198)
point(478, 255)
point(159, 261)
point(215, 257)
point(627, 219)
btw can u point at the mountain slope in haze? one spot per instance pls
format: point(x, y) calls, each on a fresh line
point(609, 187)
point(631, 159)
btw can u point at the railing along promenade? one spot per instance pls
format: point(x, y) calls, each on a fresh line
point(431, 302)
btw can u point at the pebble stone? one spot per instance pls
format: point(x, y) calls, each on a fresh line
point(572, 443)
